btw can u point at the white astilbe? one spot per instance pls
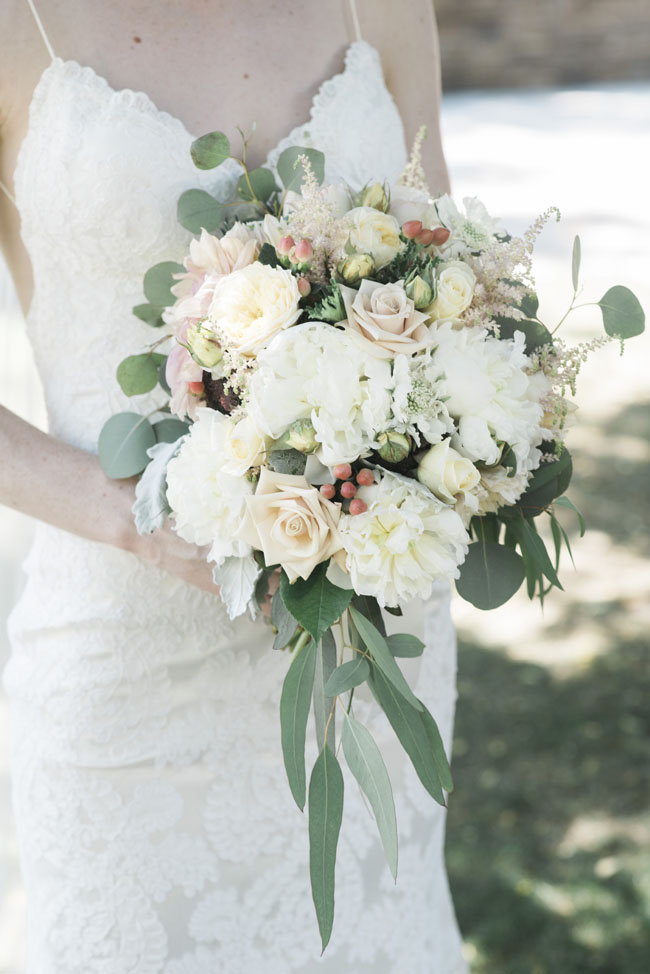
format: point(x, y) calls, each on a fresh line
point(406, 540)
point(207, 504)
point(315, 217)
point(413, 175)
point(315, 371)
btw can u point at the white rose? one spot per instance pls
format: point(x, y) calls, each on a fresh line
point(446, 473)
point(408, 203)
point(455, 291)
point(244, 447)
point(251, 305)
point(373, 232)
point(291, 523)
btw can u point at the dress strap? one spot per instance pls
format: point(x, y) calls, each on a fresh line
point(39, 24)
point(10, 196)
point(355, 20)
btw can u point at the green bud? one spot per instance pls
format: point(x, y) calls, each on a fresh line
point(300, 436)
point(420, 293)
point(374, 196)
point(355, 267)
point(393, 446)
point(204, 348)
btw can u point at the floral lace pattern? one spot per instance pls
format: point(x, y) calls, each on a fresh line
point(157, 831)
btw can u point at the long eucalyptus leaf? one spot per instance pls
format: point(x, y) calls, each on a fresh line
point(348, 675)
point(325, 666)
point(325, 815)
point(383, 657)
point(294, 711)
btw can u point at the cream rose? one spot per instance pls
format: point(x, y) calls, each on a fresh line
point(292, 523)
point(252, 305)
point(455, 291)
point(373, 232)
point(384, 319)
point(244, 447)
point(446, 473)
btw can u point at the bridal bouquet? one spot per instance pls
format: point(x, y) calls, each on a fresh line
point(366, 402)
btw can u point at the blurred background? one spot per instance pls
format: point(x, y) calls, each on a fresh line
point(549, 825)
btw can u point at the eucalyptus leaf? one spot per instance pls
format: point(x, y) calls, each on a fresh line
point(198, 210)
point(548, 482)
point(378, 648)
point(262, 182)
point(170, 430)
point(530, 540)
point(236, 578)
point(283, 621)
point(123, 444)
point(325, 666)
point(565, 502)
point(287, 461)
point(370, 608)
point(367, 765)
point(149, 313)
point(162, 378)
point(404, 645)
point(151, 507)
point(315, 602)
point(210, 150)
point(294, 711)
point(438, 750)
point(490, 574)
point(575, 262)
point(623, 316)
point(292, 173)
point(325, 815)
point(411, 732)
point(268, 255)
point(535, 332)
point(158, 282)
point(351, 674)
point(137, 374)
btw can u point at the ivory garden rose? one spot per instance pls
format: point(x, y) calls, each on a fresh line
point(446, 473)
point(384, 320)
point(455, 289)
point(373, 232)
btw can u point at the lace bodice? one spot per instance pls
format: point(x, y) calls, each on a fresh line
point(157, 831)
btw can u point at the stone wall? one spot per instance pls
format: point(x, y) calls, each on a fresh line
point(527, 43)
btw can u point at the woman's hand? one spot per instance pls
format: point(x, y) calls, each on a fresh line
point(166, 550)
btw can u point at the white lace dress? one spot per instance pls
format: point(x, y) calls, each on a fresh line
point(157, 830)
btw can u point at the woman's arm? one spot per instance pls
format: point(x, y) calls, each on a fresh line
point(406, 36)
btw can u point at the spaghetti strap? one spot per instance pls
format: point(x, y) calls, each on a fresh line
point(39, 24)
point(355, 20)
point(10, 196)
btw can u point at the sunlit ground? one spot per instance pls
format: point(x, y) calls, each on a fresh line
point(549, 827)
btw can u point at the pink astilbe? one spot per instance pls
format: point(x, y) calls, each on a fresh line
point(561, 364)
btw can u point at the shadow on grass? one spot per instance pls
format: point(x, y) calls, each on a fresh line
point(546, 846)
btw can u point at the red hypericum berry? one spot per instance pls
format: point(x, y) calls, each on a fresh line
point(348, 489)
point(365, 477)
point(411, 228)
point(342, 471)
point(440, 236)
point(304, 286)
point(328, 491)
point(357, 506)
point(425, 238)
point(304, 250)
point(196, 388)
point(284, 245)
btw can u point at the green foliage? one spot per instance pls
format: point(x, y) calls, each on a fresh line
point(210, 150)
point(151, 314)
point(325, 666)
point(369, 607)
point(138, 374)
point(325, 815)
point(533, 548)
point(405, 645)
point(351, 674)
point(292, 173)
point(575, 262)
point(151, 507)
point(328, 305)
point(536, 333)
point(198, 210)
point(490, 574)
point(170, 430)
point(438, 750)
point(283, 621)
point(411, 260)
point(315, 602)
point(366, 764)
point(158, 282)
point(287, 461)
point(294, 710)
point(565, 502)
point(261, 181)
point(123, 444)
point(267, 255)
point(382, 656)
point(623, 316)
point(549, 481)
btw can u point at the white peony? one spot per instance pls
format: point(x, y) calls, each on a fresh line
point(207, 503)
point(372, 232)
point(315, 371)
point(454, 290)
point(251, 305)
point(406, 540)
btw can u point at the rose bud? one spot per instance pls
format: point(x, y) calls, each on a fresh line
point(284, 246)
point(304, 286)
point(304, 250)
point(328, 491)
point(342, 471)
point(196, 388)
point(357, 506)
point(355, 267)
point(446, 473)
point(203, 347)
point(411, 228)
point(440, 236)
point(425, 238)
point(365, 477)
point(300, 436)
point(348, 489)
point(420, 293)
point(393, 446)
point(374, 196)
